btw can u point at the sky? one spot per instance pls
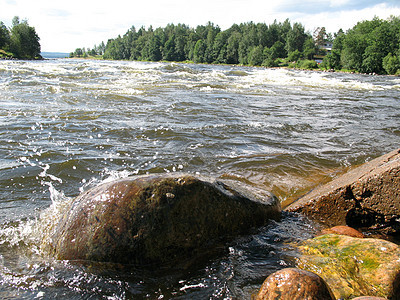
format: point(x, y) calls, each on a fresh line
point(64, 26)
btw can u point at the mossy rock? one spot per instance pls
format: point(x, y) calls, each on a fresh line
point(158, 219)
point(354, 267)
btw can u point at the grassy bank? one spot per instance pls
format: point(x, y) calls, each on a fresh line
point(6, 55)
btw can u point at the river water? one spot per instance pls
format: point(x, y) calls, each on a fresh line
point(68, 125)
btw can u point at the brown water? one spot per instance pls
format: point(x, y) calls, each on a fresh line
point(68, 125)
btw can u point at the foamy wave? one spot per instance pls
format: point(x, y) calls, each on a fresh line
point(304, 79)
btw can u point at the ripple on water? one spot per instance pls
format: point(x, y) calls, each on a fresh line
point(68, 125)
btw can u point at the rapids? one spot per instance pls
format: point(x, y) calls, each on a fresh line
point(68, 125)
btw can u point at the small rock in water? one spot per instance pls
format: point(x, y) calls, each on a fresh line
point(158, 219)
point(344, 230)
point(294, 284)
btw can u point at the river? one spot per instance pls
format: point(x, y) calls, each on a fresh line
point(68, 125)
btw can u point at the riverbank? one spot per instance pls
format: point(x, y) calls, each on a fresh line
point(11, 56)
point(6, 55)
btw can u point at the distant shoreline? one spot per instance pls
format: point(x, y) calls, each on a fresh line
point(50, 55)
point(236, 65)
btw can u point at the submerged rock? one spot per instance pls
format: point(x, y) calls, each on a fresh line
point(158, 219)
point(294, 284)
point(354, 267)
point(366, 197)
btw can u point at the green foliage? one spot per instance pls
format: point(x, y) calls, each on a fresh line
point(4, 35)
point(391, 64)
point(307, 64)
point(21, 40)
point(256, 56)
point(332, 61)
point(310, 48)
point(246, 43)
point(199, 51)
point(294, 55)
point(86, 53)
point(295, 38)
point(270, 63)
point(363, 48)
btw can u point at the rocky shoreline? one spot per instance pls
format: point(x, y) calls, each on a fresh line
point(157, 220)
point(367, 197)
point(353, 267)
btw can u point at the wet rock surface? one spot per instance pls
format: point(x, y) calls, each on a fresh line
point(354, 267)
point(369, 298)
point(292, 283)
point(344, 230)
point(158, 219)
point(366, 197)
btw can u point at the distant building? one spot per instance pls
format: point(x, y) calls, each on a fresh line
point(326, 48)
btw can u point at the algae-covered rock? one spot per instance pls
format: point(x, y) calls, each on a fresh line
point(294, 284)
point(354, 266)
point(158, 219)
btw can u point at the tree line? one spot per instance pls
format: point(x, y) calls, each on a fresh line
point(369, 47)
point(247, 44)
point(20, 41)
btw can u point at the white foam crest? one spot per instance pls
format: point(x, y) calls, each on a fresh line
point(132, 83)
point(107, 176)
point(115, 175)
point(50, 217)
point(44, 174)
point(137, 65)
point(302, 78)
point(14, 235)
point(34, 233)
point(34, 67)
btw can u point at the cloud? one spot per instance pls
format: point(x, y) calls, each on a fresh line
point(346, 19)
point(51, 12)
point(329, 6)
point(65, 27)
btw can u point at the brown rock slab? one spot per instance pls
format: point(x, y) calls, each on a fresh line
point(354, 267)
point(344, 230)
point(293, 284)
point(365, 197)
point(157, 219)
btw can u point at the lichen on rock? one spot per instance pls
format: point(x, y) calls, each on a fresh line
point(353, 266)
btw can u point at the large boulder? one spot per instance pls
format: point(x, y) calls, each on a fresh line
point(157, 219)
point(365, 197)
point(294, 284)
point(354, 267)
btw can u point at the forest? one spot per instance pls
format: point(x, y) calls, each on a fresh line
point(369, 47)
point(21, 41)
